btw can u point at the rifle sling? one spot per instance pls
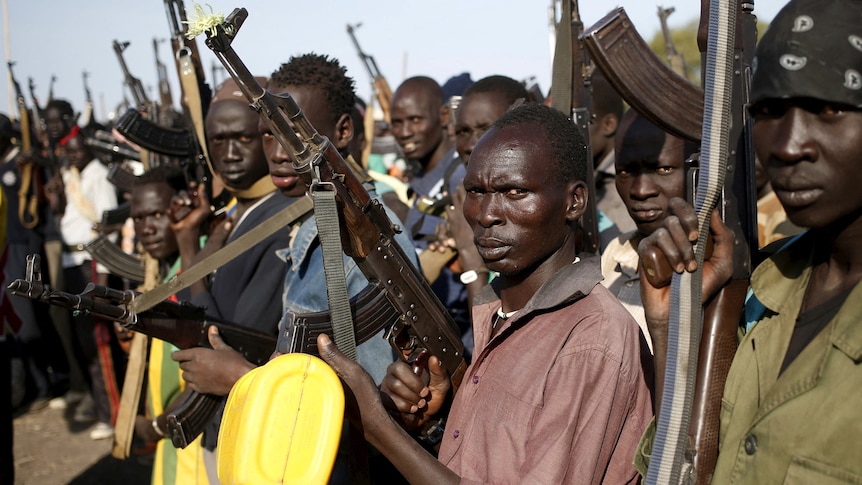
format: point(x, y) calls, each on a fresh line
point(329, 232)
point(191, 91)
point(671, 460)
point(283, 218)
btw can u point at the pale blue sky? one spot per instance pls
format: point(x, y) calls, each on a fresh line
point(438, 38)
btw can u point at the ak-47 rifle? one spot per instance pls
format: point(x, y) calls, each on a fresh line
point(674, 58)
point(31, 86)
point(51, 88)
point(738, 209)
point(423, 325)
point(182, 324)
point(39, 122)
point(88, 101)
point(139, 94)
point(166, 98)
point(571, 93)
point(143, 103)
point(647, 83)
point(31, 174)
point(381, 88)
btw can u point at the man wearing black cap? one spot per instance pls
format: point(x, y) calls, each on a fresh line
point(790, 405)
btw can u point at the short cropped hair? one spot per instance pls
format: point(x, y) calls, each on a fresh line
point(512, 90)
point(322, 72)
point(567, 145)
point(173, 176)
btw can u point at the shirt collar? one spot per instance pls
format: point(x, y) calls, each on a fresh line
point(780, 281)
point(569, 284)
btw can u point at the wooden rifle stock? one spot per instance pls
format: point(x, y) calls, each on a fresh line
point(381, 87)
point(166, 98)
point(87, 119)
point(423, 324)
point(134, 84)
point(31, 178)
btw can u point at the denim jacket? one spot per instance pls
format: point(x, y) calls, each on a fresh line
point(305, 287)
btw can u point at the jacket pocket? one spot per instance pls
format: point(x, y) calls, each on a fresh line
point(807, 471)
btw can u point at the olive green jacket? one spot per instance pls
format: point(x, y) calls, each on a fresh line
point(806, 425)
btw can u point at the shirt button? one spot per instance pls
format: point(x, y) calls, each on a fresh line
point(456, 434)
point(630, 283)
point(750, 444)
point(475, 379)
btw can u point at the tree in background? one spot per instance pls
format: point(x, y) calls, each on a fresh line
point(684, 39)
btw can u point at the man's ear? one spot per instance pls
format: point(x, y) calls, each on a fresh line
point(444, 116)
point(577, 200)
point(343, 133)
point(608, 125)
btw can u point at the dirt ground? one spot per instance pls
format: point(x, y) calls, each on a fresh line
point(50, 450)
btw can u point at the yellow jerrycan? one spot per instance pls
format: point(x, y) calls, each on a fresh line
point(282, 424)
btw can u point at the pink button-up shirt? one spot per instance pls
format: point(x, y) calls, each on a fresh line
point(558, 395)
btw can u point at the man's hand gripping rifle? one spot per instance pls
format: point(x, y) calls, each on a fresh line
point(424, 326)
point(182, 324)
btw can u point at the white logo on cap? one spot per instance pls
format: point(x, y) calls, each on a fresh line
point(856, 42)
point(791, 62)
point(803, 23)
point(852, 80)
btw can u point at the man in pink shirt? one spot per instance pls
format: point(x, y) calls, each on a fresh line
point(556, 392)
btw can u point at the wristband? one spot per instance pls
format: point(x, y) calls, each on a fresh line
point(470, 276)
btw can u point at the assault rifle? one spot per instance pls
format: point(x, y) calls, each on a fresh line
point(647, 84)
point(181, 324)
point(31, 86)
point(166, 97)
point(88, 101)
point(111, 152)
point(31, 174)
point(51, 88)
point(135, 86)
point(422, 325)
point(571, 93)
point(378, 82)
point(674, 58)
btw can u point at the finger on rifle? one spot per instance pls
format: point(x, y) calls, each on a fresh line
point(687, 216)
point(215, 339)
point(404, 387)
point(437, 371)
point(665, 251)
point(720, 258)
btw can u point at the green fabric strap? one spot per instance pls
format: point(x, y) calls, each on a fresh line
point(329, 231)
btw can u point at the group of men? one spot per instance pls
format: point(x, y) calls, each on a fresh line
point(565, 347)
